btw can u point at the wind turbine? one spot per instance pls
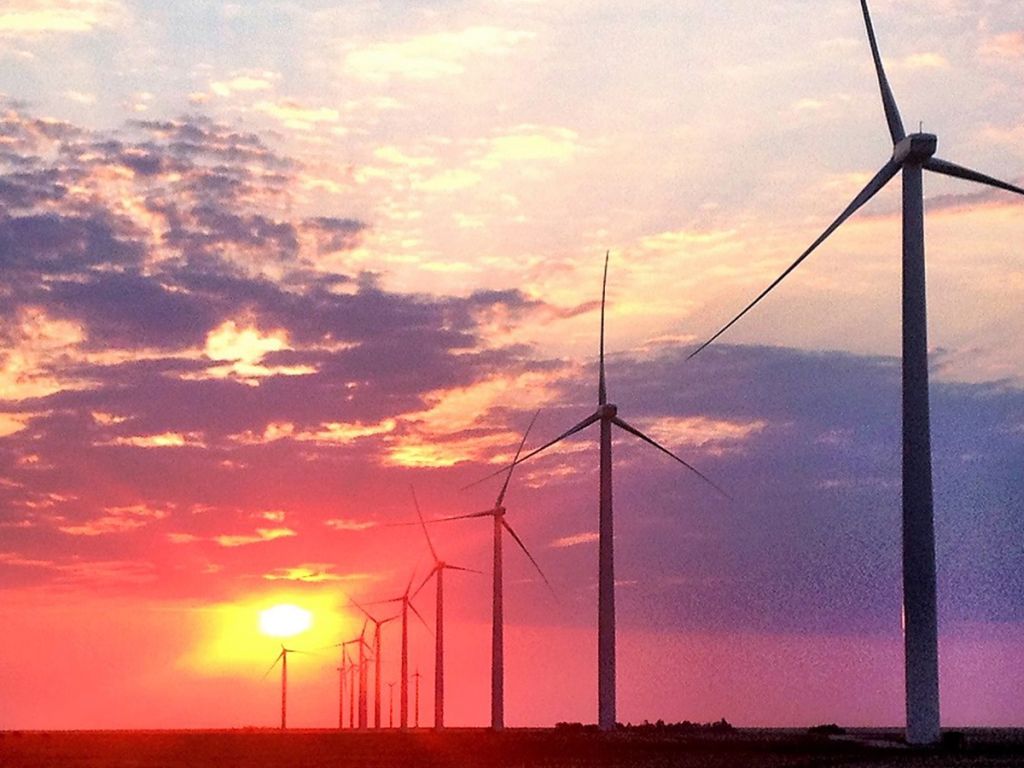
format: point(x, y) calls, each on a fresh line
point(391, 705)
point(440, 566)
point(407, 605)
point(377, 624)
point(360, 641)
point(417, 677)
point(911, 154)
point(501, 526)
point(607, 415)
point(283, 658)
point(351, 692)
point(343, 671)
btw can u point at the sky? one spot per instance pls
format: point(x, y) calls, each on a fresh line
point(266, 265)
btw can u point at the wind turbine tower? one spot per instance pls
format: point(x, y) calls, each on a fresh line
point(501, 526)
point(911, 155)
point(607, 416)
point(437, 572)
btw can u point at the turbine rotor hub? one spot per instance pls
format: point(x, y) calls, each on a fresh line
point(607, 411)
point(915, 148)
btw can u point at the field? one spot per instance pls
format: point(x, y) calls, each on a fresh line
point(470, 747)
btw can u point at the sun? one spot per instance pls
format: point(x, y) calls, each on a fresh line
point(285, 620)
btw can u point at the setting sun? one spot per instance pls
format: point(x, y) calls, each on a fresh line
point(285, 620)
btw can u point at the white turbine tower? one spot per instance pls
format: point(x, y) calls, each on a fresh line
point(607, 415)
point(911, 155)
point(501, 526)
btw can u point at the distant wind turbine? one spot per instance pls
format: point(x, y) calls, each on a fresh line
point(283, 658)
point(911, 154)
point(377, 624)
point(501, 526)
point(407, 605)
point(607, 415)
point(360, 642)
point(342, 671)
point(437, 572)
point(391, 705)
point(417, 677)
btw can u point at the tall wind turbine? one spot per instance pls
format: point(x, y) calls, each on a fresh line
point(283, 658)
point(407, 605)
point(501, 526)
point(911, 155)
point(607, 415)
point(437, 572)
point(377, 624)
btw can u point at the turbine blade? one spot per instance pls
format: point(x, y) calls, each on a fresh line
point(424, 582)
point(880, 180)
point(959, 172)
point(460, 568)
point(361, 608)
point(409, 585)
point(512, 466)
point(522, 546)
point(892, 112)
point(582, 425)
point(271, 669)
point(423, 524)
point(602, 390)
point(471, 515)
point(420, 617)
point(634, 431)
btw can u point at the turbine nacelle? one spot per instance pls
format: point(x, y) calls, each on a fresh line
point(915, 148)
point(607, 411)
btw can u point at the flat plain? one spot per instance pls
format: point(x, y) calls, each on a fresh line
point(454, 748)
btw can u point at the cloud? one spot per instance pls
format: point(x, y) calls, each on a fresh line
point(164, 440)
point(433, 55)
point(261, 535)
point(313, 573)
point(924, 60)
point(116, 520)
point(298, 116)
point(244, 82)
point(39, 17)
point(588, 537)
point(343, 524)
point(1009, 45)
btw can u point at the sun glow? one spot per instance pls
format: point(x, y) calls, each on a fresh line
point(285, 620)
point(242, 637)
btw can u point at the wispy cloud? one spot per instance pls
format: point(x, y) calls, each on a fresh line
point(575, 540)
point(432, 55)
point(261, 535)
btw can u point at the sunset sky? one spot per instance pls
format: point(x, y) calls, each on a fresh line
point(265, 264)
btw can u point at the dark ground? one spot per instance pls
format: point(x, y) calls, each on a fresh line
point(472, 747)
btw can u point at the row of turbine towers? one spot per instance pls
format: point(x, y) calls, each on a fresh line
point(911, 155)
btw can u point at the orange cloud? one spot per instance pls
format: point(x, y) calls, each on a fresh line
point(261, 535)
point(588, 537)
point(116, 520)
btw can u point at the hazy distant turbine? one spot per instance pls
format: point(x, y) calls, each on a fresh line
point(377, 624)
point(501, 525)
point(405, 600)
point(437, 572)
point(607, 415)
point(910, 155)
